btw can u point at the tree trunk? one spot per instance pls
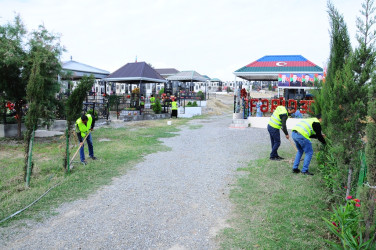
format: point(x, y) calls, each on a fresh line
point(371, 213)
point(66, 156)
point(27, 143)
point(5, 113)
point(349, 182)
point(18, 108)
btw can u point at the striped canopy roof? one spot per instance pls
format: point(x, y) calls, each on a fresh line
point(268, 67)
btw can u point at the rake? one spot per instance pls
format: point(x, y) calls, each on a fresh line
point(83, 142)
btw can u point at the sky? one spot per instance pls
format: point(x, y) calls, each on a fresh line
point(214, 38)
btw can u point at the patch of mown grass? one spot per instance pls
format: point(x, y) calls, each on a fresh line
point(126, 147)
point(197, 126)
point(276, 209)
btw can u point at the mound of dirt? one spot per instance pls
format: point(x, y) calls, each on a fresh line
point(222, 104)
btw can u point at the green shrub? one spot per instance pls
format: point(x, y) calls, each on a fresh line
point(11, 120)
point(194, 104)
point(90, 112)
point(189, 104)
point(157, 107)
point(201, 95)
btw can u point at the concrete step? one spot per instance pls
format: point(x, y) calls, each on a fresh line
point(240, 121)
point(242, 126)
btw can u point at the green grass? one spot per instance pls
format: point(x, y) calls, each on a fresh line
point(276, 209)
point(127, 147)
point(198, 126)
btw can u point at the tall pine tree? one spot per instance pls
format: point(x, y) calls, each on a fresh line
point(371, 161)
point(340, 49)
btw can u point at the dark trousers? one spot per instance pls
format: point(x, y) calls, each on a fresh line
point(174, 112)
point(275, 139)
point(89, 141)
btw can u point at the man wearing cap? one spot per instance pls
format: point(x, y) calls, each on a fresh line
point(84, 125)
point(278, 121)
point(302, 134)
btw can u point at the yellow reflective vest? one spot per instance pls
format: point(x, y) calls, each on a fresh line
point(81, 127)
point(152, 100)
point(174, 105)
point(304, 127)
point(275, 121)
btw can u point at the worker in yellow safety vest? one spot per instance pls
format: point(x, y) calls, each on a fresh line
point(302, 134)
point(278, 121)
point(174, 108)
point(84, 125)
point(152, 101)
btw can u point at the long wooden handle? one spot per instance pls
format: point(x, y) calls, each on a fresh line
point(79, 149)
point(293, 145)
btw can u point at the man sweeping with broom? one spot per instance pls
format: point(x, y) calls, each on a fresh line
point(84, 125)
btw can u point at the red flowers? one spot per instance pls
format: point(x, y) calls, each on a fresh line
point(357, 205)
point(349, 197)
point(10, 105)
point(334, 224)
point(356, 200)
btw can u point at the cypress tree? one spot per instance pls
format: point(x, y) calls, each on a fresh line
point(74, 107)
point(41, 69)
point(340, 49)
point(371, 160)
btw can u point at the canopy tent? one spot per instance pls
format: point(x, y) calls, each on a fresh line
point(294, 73)
point(79, 70)
point(215, 80)
point(187, 77)
point(136, 73)
point(270, 68)
point(207, 77)
point(167, 72)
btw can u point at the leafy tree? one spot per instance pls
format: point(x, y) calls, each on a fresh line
point(12, 58)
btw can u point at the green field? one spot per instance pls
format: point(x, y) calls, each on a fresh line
point(120, 151)
point(276, 209)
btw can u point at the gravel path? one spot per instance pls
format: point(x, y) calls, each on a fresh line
point(180, 204)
